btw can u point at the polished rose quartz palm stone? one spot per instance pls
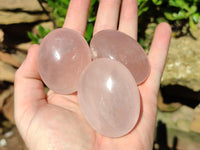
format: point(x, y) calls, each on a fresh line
point(63, 54)
point(109, 98)
point(117, 45)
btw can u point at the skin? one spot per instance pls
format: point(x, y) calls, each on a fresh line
point(54, 122)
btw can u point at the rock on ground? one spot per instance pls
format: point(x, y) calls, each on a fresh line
point(27, 5)
point(1, 35)
point(195, 125)
point(7, 72)
point(15, 59)
point(20, 17)
point(23, 46)
point(180, 119)
point(183, 62)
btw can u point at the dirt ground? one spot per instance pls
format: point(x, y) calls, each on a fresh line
point(11, 140)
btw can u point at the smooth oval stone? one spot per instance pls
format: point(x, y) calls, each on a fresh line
point(63, 54)
point(117, 45)
point(109, 98)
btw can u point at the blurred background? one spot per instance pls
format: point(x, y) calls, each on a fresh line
point(24, 22)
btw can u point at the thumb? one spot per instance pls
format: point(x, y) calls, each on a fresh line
point(28, 90)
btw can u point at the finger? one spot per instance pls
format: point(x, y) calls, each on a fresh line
point(76, 17)
point(107, 15)
point(158, 53)
point(29, 89)
point(128, 18)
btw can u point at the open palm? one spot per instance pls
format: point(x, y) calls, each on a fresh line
point(54, 121)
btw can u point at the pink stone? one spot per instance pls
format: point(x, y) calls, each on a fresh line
point(109, 98)
point(63, 54)
point(117, 45)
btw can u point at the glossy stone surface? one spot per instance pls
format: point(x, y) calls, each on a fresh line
point(117, 45)
point(62, 56)
point(109, 98)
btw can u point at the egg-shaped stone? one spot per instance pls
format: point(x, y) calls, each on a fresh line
point(63, 54)
point(114, 44)
point(109, 97)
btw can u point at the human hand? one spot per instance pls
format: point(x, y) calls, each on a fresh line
point(54, 121)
